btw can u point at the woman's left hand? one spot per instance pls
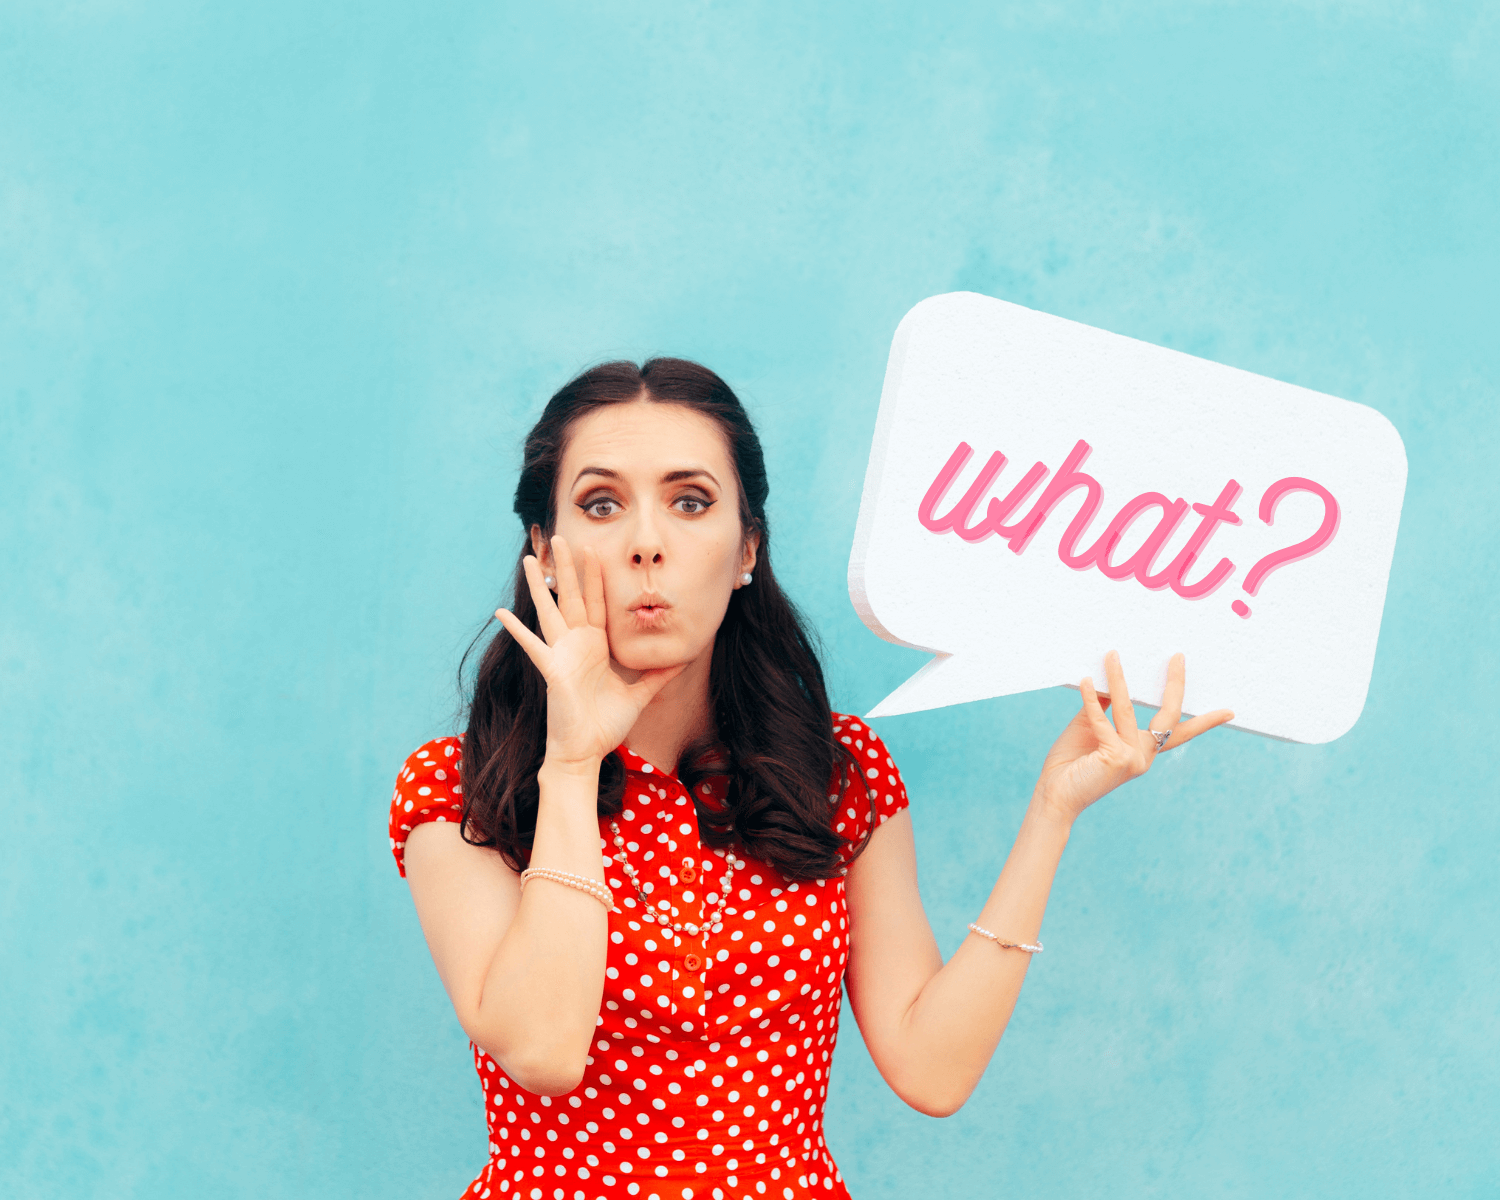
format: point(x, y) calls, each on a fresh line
point(1093, 756)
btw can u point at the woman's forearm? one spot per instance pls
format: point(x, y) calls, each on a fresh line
point(540, 1002)
point(950, 1032)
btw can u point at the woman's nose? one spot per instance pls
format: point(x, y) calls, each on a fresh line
point(646, 544)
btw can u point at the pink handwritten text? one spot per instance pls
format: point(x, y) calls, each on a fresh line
point(999, 519)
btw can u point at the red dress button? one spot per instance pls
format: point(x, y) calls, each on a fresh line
point(692, 962)
point(688, 874)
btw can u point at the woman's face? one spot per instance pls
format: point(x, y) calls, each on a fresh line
point(651, 487)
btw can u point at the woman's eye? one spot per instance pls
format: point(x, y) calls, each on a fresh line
point(602, 507)
point(694, 504)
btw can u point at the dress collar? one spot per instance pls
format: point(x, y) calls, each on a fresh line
point(634, 762)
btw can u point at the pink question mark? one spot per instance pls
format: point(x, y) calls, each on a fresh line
point(1304, 548)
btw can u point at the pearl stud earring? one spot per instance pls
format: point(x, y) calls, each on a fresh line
point(746, 577)
point(549, 581)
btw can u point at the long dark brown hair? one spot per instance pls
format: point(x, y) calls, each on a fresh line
point(773, 734)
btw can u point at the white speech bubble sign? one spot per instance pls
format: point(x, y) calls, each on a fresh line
point(1040, 492)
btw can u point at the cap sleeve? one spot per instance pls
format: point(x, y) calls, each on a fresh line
point(427, 789)
point(878, 779)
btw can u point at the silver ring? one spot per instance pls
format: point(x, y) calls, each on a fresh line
point(1161, 736)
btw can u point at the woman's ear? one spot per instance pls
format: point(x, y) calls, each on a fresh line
point(542, 549)
point(747, 558)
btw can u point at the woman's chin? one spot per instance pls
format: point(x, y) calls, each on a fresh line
point(647, 653)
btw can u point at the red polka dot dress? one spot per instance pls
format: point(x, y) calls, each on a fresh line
point(709, 1069)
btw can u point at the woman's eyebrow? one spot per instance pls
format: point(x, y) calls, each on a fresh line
point(605, 471)
point(689, 473)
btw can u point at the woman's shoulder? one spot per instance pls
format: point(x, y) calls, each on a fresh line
point(867, 746)
point(439, 754)
point(429, 787)
point(873, 793)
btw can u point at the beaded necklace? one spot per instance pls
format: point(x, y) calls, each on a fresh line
point(713, 924)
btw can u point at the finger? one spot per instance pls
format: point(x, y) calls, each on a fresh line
point(1124, 710)
point(547, 616)
point(536, 649)
point(1188, 730)
point(593, 587)
point(651, 682)
point(1170, 711)
point(569, 598)
point(1103, 730)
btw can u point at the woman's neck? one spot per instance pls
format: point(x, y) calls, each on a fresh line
point(677, 716)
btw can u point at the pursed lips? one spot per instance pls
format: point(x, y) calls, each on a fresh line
point(650, 609)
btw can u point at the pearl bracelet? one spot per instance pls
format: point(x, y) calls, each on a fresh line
point(1037, 949)
point(583, 883)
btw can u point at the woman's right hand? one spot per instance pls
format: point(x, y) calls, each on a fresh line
point(590, 708)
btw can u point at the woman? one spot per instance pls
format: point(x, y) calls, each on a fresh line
point(653, 1001)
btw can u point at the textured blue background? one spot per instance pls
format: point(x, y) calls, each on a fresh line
point(281, 286)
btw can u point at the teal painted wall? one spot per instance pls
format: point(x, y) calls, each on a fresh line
point(281, 286)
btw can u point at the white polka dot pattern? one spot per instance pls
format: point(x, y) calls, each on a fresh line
point(709, 1070)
